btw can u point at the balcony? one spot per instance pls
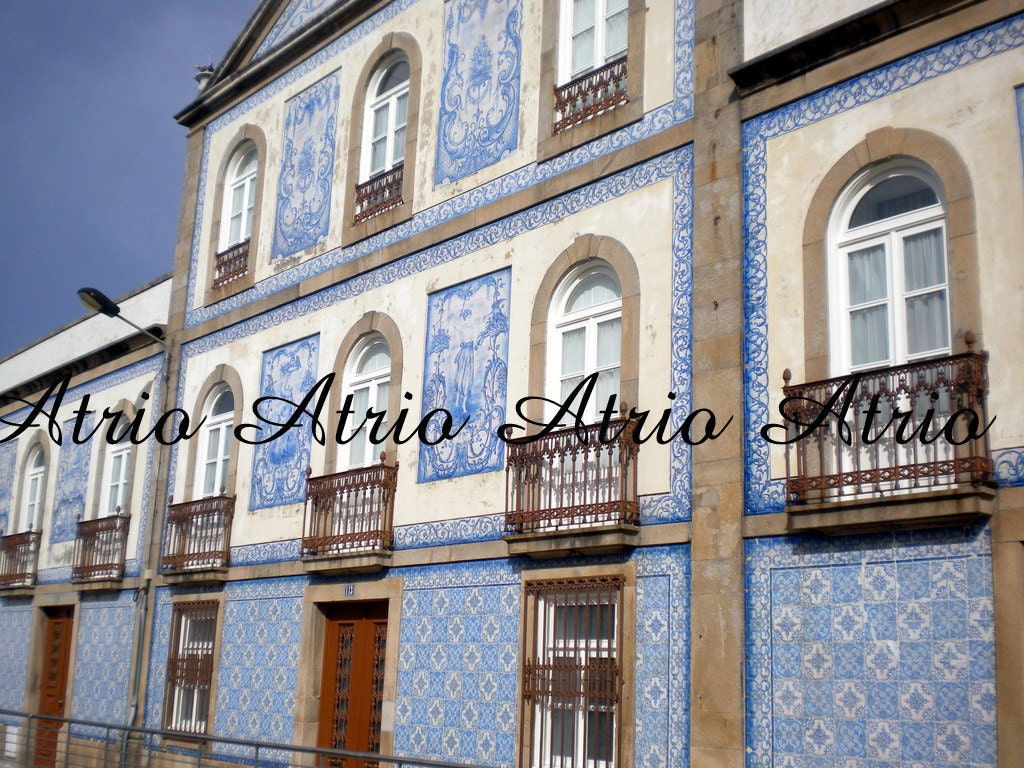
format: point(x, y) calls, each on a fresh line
point(100, 547)
point(895, 447)
point(231, 264)
point(197, 540)
point(379, 194)
point(569, 493)
point(598, 91)
point(348, 520)
point(19, 555)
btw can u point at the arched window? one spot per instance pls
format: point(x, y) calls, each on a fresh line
point(114, 494)
point(889, 270)
point(215, 442)
point(384, 124)
point(33, 486)
point(239, 196)
point(585, 335)
point(368, 380)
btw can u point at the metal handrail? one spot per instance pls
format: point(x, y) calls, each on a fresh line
point(77, 743)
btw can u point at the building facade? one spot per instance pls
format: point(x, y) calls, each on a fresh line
point(782, 236)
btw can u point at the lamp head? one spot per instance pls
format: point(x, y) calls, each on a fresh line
point(98, 302)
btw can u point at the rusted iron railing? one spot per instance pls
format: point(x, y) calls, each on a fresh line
point(198, 534)
point(590, 95)
point(231, 264)
point(100, 547)
point(569, 479)
point(888, 430)
point(19, 555)
point(349, 511)
point(379, 194)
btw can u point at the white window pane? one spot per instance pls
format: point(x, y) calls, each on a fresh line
point(568, 385)
point(926, 323)
point(380, 120)
point(609, 341)
point(375, 358)
point(607, 385)
point(597, 288)
point(237, 198)
point(383, 390)
point(583, 52)
point(869, 335)
point(584, 13)
point(615, 36)
point(210, 480)
point(399, 147)
point(868, 275)
point(402, 109)
point(924, 263)
point(574, 351)
point(235, 229)
point(377, 150)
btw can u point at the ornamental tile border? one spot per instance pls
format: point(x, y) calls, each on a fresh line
point(762, 494)
point(653, 122)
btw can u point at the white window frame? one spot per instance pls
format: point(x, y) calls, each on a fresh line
point(890, 232)
point(601, 55)
point(115, 481)
point(546, 647)
point(561, 322)
point(189, 702)
point(33, 491)
point(234, 180)
point(394, 153)
point(219, 426)
point(376, 383)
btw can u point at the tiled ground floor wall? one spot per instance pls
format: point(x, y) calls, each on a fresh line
point(15, 637)
point(458, 660)
point(871, 650)
point(104, 650)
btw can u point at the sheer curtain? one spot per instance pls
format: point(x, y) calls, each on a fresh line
point(869, 326)
point(924, 267)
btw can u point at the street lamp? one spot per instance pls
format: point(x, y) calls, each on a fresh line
point(97, 301)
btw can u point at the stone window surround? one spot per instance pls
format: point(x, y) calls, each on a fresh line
point(222, 374)
point(880, 146)
point(105, 451)
point(199, 597)
point(17, 505)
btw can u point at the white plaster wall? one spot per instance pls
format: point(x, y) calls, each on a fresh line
point(974, 109)
point(769, 24)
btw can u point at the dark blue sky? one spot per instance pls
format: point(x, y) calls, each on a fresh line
point(91, 159)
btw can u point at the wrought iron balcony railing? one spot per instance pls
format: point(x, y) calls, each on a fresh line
point(231, 264)
point(19, 556)
point(559, 481)
point(590, 95)
point(100, 547)
point(379, 194)
point(198, 534)
point(888, 431)
point(349, 512)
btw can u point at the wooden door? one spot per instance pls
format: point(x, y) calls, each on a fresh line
point(352, 687)
point(53, 682)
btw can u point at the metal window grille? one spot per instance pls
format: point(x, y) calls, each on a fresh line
point(572, 678)
point(190, 666)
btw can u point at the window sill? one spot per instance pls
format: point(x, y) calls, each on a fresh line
point(368, 561)
point(543, 545)
point(905, 511)
point(196, 576)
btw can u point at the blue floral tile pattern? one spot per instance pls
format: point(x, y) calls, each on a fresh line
point(15, 645)
point(72, 481)
point(8, 456)
point(104, 648)
point(279, 466)
point(307, 168)
point(1009, 467)
point(764, 495)
point(478, 122)
point(465, 374)
point(295, 17)
point(871, 650)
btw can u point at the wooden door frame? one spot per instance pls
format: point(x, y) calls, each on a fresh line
point(48, 616)
point(311, 654)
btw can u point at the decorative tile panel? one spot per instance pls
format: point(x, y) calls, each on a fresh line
point(279, 466)
point(871, 650)
point(307, 168)
point(1009, 467)
point(764, 495)
point(478, 120)
point(8, 458)
point(72, 482)
point(296, 16)
point(653, 122)
point(104, 648)
point(465, 373)
point(259, 661)
point(15, 646)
